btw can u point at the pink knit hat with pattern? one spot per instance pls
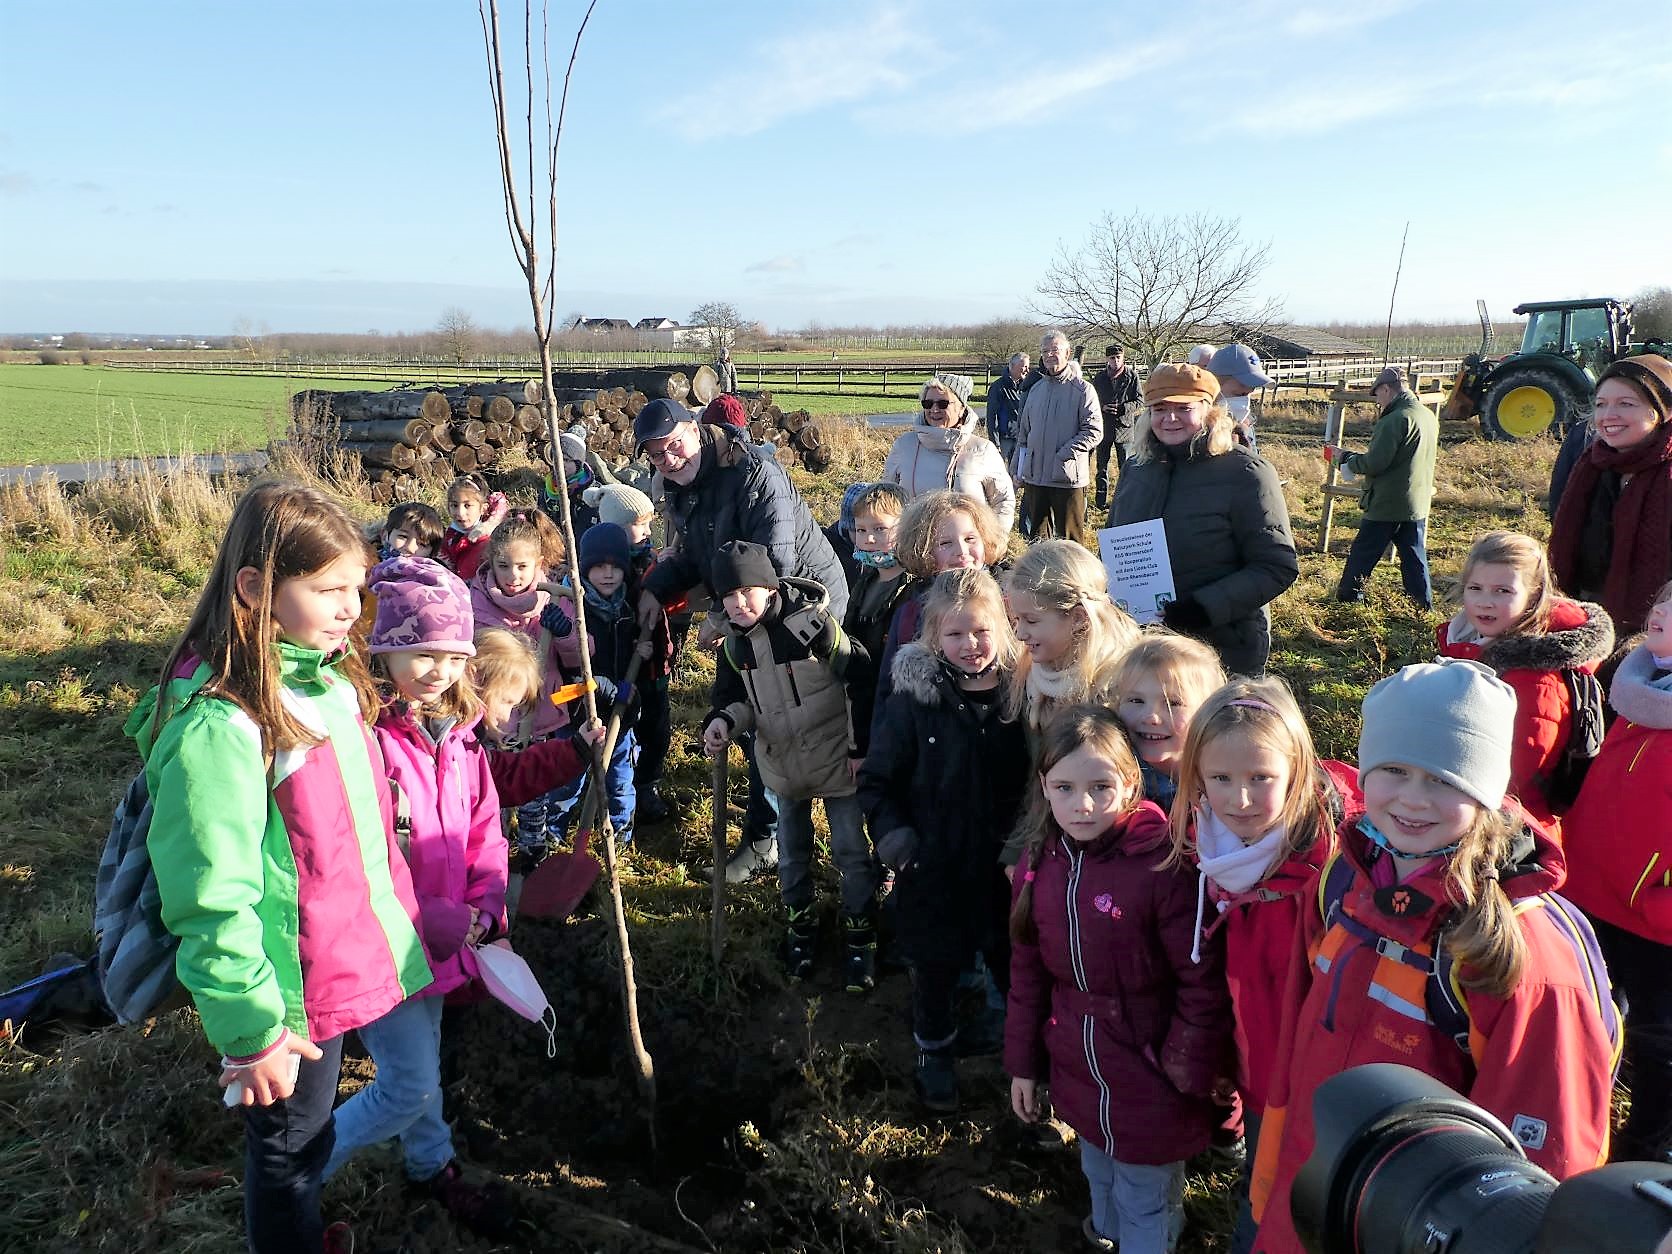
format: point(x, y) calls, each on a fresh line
point(420, 605)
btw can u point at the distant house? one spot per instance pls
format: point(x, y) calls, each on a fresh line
point(602, 326)
point(656, 324)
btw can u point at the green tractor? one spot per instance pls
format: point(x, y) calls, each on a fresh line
point(1551, 382)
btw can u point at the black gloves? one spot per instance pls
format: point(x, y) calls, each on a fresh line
point(1186, 616)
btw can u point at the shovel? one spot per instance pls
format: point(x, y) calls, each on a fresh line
point(561, 882)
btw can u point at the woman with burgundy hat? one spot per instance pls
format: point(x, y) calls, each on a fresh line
point(1611, 540)
point(1222, 507)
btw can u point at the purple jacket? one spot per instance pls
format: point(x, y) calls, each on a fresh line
point(455, 848)
point(1133, 1032)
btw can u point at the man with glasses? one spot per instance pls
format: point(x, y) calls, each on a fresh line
point(718, 488)
point(1059, 428)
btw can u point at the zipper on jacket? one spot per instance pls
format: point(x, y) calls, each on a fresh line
point(1643, 879)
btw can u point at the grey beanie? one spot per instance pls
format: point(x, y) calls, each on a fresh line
point(573, 446)
point(1451, 718)
point(960, 385)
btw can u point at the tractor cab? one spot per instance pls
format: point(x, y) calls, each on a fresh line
point(1590, 333)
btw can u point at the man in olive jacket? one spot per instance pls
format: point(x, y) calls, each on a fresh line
point(1398, 468)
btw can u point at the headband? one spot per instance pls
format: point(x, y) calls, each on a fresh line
point(1254, 703)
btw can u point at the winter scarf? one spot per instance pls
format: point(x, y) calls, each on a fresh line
point(524, 606)
point(1642, 547)
point(1232, 866)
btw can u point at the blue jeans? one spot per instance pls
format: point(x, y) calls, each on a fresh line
point(1372, 540)
point(405, 1098)
point(624, 796)
point(285, 1150)
point(1140, 1207)
point(849, 849)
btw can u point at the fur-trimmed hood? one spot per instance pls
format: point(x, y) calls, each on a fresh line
point(1581, 635)
point(1636, 696)
point(917, 672)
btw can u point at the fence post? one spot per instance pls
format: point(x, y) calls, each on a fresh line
point(1334, 422)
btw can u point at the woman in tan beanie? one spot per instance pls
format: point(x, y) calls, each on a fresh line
point(1223, 510)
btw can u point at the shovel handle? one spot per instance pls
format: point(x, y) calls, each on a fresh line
point(717, 909)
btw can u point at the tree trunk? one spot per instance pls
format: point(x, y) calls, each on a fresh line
point(472, 433)
point(431, 406)
point(441, 437)
point(397, 456)
point(636, 401)
point(464, 459)
point(529, 419)
point(705, 385)
point(413, 431)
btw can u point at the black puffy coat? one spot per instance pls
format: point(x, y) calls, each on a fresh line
point(739, 495)
point(1228, 537)
point(955, 774)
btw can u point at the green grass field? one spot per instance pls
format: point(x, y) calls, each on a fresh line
point(75, 413)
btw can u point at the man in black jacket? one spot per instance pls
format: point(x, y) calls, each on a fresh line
point(1117, 391)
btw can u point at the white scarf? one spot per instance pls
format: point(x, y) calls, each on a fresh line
point(1052, 684)
point(1233, 866)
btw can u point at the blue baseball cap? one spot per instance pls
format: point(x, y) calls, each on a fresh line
point(657, 420)
point(1239, 362)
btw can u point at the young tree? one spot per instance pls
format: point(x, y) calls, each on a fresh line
point(1157, 283)
point(526, 168)
point(1651, 315)
point(717, 324)
point(458, 334)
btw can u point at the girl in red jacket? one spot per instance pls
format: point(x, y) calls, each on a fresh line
point(1514, 621)
point(1256, 815)
point(1440, 864)
point(1111, 997)
point(475, 511)
point(1619, 844)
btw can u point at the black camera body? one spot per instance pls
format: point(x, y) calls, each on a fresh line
point(1403, 1165)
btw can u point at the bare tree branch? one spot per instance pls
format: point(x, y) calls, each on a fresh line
point(1157, 283)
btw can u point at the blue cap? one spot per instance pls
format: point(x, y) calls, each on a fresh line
point(1239, 362)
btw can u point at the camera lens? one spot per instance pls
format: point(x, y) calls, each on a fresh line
point(1402, 1164)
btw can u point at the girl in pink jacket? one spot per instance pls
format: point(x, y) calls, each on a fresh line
point(447, 823)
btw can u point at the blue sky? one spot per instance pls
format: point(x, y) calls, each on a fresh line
point(178, 167)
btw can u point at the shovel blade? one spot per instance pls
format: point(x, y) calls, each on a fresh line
point(559, 884)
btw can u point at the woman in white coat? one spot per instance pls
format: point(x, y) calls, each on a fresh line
point(945, 451)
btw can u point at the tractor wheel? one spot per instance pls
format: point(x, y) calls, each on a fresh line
point(1524, 402)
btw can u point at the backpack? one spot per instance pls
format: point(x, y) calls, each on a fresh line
point(1585, 731)
point(1445, 1000)
point(135, 958)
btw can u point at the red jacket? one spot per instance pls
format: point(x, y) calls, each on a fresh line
point(523, 775)
point(1259, 938)
point(1540, 1059)
point(1580, 637)
point(463, 551)
point(1133, 1031)
point(1619, 832)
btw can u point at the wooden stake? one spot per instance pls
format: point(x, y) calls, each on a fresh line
point(717, 828)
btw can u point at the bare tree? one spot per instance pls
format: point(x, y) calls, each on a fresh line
point(997, 340)
point(716, 325)
point(249, 338)
point(458, 334)
point(1651, 314)
point(524, 168)
point(1156, 283)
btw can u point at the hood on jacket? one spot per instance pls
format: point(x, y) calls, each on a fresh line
point(1634, 695)
point(1534, 864)
point(917, 672)
point(1580, 635)
point(1140, 830)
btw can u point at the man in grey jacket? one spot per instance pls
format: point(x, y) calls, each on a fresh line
point(1059, 427)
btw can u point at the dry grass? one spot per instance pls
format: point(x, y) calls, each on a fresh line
point(114, 1140)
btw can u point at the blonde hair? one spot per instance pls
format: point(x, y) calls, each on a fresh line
point(505, 661)
point(975, 591)
point(1218, 434)
point(1192, 667)
point(1089, 727)
point(1064, 577)
point(1486, 941)
point(1526, 556)
point(1264, 711)
point(880, 499)
point(915, 547)
point(283, 530)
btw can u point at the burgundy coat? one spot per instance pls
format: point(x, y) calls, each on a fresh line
point(1134, 1032)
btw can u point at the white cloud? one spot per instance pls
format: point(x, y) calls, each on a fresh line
point(801, 73)
point(1315, 20)
point(782, 264)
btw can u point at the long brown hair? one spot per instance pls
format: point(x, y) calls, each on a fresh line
point(1089, 727)
point(1525, 556)
point(1265, 712)
point(1487, 941)
point(529, 526)
point(283, 530)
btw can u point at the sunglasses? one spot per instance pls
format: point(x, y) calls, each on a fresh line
point(943, 403)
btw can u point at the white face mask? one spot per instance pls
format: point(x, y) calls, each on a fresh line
point(1237, 406)
point(505, 975)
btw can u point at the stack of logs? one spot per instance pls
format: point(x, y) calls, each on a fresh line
point(405, 432)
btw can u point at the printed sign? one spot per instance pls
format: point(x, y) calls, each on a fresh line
point(1140, 571)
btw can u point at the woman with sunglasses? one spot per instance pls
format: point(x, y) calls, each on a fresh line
point(944, 451)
